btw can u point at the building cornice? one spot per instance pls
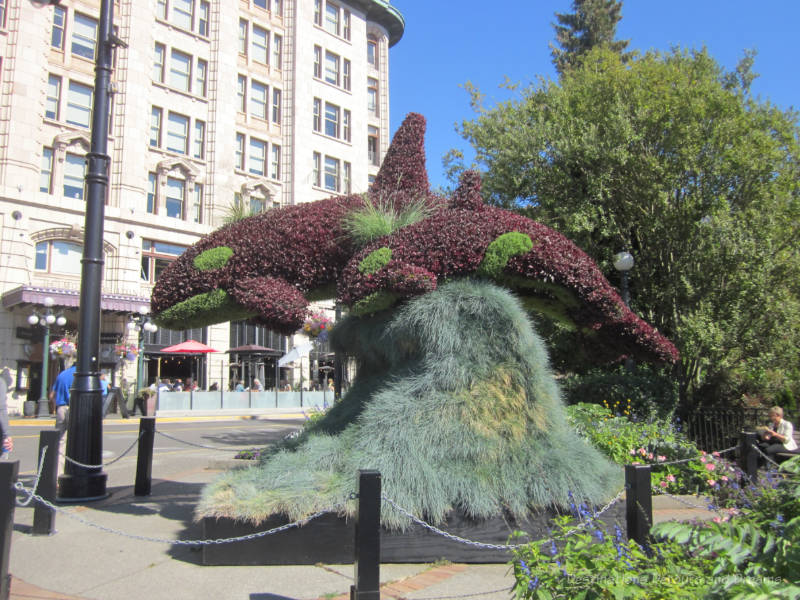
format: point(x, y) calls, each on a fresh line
point(384, 14)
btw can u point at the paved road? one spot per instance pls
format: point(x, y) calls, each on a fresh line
point(226, 436)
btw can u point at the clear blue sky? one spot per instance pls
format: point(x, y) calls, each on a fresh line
point(449, 42)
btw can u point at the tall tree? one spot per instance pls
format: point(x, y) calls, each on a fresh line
point(670, 157)
point(592, 23)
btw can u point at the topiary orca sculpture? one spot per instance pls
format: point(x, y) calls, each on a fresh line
point(268, 267)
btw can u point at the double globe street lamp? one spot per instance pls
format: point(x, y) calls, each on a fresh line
point(141, 322)
point(46, 320)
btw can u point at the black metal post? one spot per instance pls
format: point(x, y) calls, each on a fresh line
point(338, 364)
point(368, 538)
point(748, 457)
point(44, 518)
point(85, 429)
point(8, 500)
point(638, 503)
point(144, 459)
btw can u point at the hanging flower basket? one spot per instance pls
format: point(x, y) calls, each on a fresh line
point(62, 347)
point(317, 326)
point(127, 351)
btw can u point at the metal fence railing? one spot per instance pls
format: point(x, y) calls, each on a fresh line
point(713, 428)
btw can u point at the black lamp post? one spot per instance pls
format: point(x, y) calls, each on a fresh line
point(85, 428)
point(46, 319)
point(141, 322)
point(623, 262)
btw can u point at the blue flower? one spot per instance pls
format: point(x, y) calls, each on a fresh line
point(553, 549)
point(525, 568)
point(599, 535)
point(533, 583)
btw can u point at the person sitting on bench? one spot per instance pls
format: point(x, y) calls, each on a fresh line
point(780, 435)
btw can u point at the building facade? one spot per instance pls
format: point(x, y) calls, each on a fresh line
point(218, 107)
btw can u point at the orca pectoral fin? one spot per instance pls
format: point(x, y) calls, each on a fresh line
point(278, 304)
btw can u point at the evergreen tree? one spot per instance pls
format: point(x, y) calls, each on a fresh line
point(593, 23)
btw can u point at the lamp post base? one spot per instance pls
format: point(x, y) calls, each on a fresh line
point(82, 488)
point(42, 408)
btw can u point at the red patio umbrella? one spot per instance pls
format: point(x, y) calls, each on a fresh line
point(189, 347)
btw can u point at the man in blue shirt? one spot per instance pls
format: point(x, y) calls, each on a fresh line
point(61, 389)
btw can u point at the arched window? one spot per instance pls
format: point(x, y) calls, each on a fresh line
point(59, 256)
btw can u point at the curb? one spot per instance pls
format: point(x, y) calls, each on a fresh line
point(401, 588)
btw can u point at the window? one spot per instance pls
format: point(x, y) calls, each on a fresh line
point(58, 256)
point(156, 256)
point(332, 68)
point(261, 4)
point(46, 172)
point(156, 115)
point(180, 71)
point(331, 120)
point(59, 22)
point(372, 95)
point(182, 13)
point(202, 18)
point(158, 62)
point(372, 145)
point(241, 93)
point(53, 101)
point(260, 39)
point(151, 193)
point(346, 125)
point(176, 190)
point(242, 37)
point(276, 105)
point(257, 205)
point(199, 139)
point(317, 115)
point(346, 25)
point(257, 159)
point(348, 176)
point(372, 51)
point(317, 62)
point(275, 163)
point(318, 12)
point(161, 9)
point(317, 169)
point(277, 8)
point(197, 203)
point(259, 93)
point(201, 75)
point(2, 13)
point(84, 36)
point(346, 75)
point(277, 51)
point(332, 18)
point(74, 167)
point(239, 151)
point(79, 104)
point(331, 174)
point(178, 133)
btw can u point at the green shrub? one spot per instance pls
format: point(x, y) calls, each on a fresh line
point(651, 392)
point(501, 250)
point(375, 261)
point(213, 258)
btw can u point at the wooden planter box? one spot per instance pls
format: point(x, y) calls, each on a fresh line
point(330, 539)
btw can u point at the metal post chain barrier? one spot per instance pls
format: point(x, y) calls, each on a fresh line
point(252, 536)
point(486, 546)
point(180, 441)
point(757, 449)
point(658, 492)
point(36, 481)
point(686, 460)
point(109, 463)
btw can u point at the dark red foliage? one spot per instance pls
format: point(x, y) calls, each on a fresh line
point(452, 243)
point(403, 169)
point(468, 192)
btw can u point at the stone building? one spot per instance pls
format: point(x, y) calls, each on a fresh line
point(215, 104)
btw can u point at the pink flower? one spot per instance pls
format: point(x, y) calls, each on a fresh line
point(703, 458)
point(717, 520)
point(636, 462)
point(715, 454)
point(642, 451)
point(663, 484)
point(670, 477)
point(711, 482)
point(661, 458)
point(703, 452)
point(632, 452)
point(710, 466)
point(649, 456)
point(724, 478)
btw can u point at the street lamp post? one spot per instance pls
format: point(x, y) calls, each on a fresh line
point(141, 322)
point(623, 262)
point(85, 428)
point(46, 320)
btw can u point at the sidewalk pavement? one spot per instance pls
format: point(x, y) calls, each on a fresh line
point(81, 562)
